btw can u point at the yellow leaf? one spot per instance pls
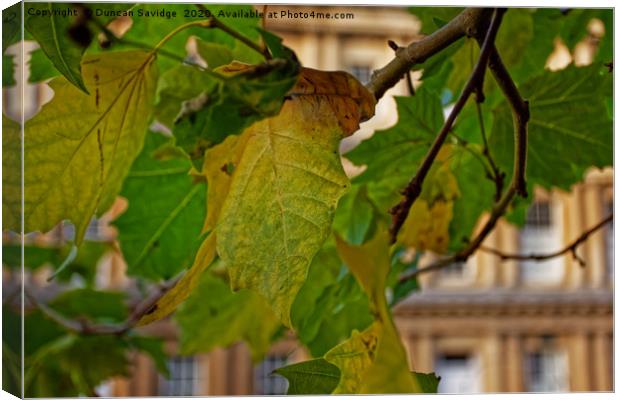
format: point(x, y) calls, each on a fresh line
point(353, 357)
point(373, 361)
point(276, 187)
point(11, 174)
point(428, 222)
point(175, 296)
point(220, 162)
point(79, 148)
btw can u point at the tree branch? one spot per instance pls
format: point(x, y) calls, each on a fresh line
point(463, 24)
point(85, 327)
point(571, 247)
point(520, 114)
point(414, 188)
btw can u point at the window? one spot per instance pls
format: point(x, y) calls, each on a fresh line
point(460, 373)
point(546, 370)
point(540, 235)
point(184, 377)
point(265, 382)
point(361, 72)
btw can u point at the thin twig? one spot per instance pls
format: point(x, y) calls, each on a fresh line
point(520, 114)
point(571, 247)
point(497, 176)
point(85, 327)
point(417, 52)
point(216, 23)
point(414, 188)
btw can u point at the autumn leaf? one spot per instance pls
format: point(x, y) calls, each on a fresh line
point(182, 289)
point(427, 225)
point(285, 186)
point(373, 361)
point(78, 152)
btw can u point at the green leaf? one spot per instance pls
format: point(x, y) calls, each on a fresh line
point(213, 316)
point(41, 68)
point(158, 232)
point(292, 177)
point(567, 113)
point(392, 155)
point(84, 264)
point(64, 367)
point(11, 25)
point(432, 17)
point(476, 196)
point(100, 306)
point(148, 32)
point(154, 347)
point(310, 377)
point(78, 152)
point(214, 54)
point(329, 305)
point(177, 85)
point(249, 94)
point(428, 382)
point(51, 30)
point(8, 70)
point(354, 215)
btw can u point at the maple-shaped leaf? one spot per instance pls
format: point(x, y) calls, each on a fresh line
point(271, 185)
point(569, 129)
point(285, 184)
point(79, 148)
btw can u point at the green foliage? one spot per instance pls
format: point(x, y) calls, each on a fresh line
point(569, 107)
point(228, 106)
point(156, 232)
point(310, 377)
point(11, 25)
point(35, 257)
point(392, 155)
point(214, 316)
point(41, 68)
point(51, 30)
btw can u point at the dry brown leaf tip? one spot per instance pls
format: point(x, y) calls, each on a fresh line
point(351, 102)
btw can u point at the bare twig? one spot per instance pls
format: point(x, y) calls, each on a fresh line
point(571, 247)
point(85, 327)
point(216, 23)
point(520, 114)
point(463, 24)
point(414, 188)
point(497, 176)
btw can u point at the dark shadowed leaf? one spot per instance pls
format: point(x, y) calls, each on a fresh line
point(310, 377)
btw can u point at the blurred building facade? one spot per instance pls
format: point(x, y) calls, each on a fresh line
point(484, 326)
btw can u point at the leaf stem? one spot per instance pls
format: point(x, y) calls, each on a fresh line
point(216, 23)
